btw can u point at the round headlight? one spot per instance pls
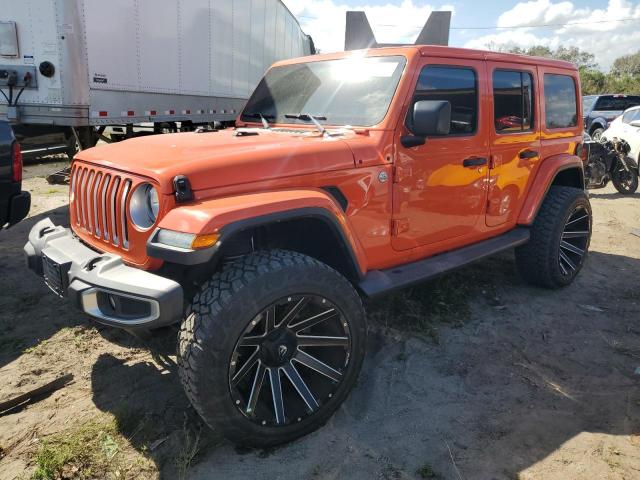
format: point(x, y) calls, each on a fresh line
point(144, 206)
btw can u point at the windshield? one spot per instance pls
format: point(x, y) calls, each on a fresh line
point(354, 91)
point(587, 103)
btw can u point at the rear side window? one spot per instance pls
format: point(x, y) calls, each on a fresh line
point(458, 85)
point(617, 103)
point(512, 101)
point(561, 108)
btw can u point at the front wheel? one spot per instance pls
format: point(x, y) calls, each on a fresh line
point(559, 241)
point(596, 134)
point(625, 181)
point(272, 347)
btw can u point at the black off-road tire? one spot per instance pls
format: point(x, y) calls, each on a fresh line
point(626, 182)
point(538, 261)
point(219, 316)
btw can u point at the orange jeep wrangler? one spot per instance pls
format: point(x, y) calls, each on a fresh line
point(348, 175)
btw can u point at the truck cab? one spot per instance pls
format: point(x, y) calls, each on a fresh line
point(348, 175)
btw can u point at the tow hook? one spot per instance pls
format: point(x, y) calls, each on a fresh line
point(91, 264)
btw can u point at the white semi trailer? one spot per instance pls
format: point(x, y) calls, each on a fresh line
point(68, 68)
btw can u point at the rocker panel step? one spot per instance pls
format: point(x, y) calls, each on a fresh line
point(378, 282)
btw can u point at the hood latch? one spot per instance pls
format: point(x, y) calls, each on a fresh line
point(182, 188)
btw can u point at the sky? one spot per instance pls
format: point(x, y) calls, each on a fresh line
point(595, 24)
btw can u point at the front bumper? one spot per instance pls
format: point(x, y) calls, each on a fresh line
point(101, 284)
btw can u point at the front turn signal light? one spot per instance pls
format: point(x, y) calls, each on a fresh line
point(204, 241)
point(186, 241)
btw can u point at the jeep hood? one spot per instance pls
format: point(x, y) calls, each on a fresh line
point(215, 159)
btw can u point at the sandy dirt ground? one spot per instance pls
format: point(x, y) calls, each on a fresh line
point(510, 382)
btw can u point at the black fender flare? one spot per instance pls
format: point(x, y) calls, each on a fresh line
point(213, 253)
point(317, 213)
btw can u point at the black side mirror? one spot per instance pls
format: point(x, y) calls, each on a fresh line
point(429, 118)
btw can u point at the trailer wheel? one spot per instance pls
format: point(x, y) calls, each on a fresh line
point(88, 137)
point(72, 146)
point(165, 127)
point(272, 347)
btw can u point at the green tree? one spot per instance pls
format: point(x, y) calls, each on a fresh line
point(581, 58)
point(624, 77)
point(584, 60)
point(592, 81)
point(627, 65)
point(627, 84)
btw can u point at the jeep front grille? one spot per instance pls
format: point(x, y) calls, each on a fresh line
point(99, 204)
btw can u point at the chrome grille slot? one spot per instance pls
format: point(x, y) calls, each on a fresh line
point(79, 199)
point(99, 204)
point(85, 203)
point(88, 211)
point(103, 204)
point(74, 195)
point(96, 221)
point(123, 213)
point(113, 209)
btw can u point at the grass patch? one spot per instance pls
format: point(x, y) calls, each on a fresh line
point(426, 472)
point(88, 451)
point(189, 448)
point(422, 308)
point(80, 335)
point(631, 295)
point(36, 349)
point(391, 472)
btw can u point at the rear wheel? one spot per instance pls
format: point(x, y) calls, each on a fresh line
point(560, 238)
point(625, 181)
point(272, 347)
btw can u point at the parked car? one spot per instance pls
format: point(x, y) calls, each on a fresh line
point(626, 127)
point(348, 176)
point(14, 203)
point(600, 110)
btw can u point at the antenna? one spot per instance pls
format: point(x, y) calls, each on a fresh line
point(358, 33)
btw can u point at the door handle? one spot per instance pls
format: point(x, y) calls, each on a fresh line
point(474, 162)
point(527, 154)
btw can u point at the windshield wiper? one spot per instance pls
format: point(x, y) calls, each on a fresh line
point(307, 117)
point(263, 118)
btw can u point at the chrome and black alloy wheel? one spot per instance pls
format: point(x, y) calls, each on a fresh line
point(574, 241)
point(559, 241)
point(290, 360)
point(272, 347)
